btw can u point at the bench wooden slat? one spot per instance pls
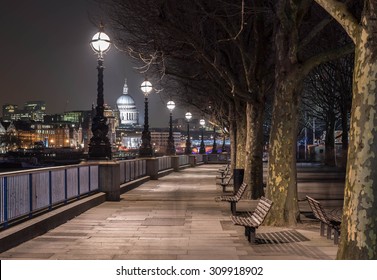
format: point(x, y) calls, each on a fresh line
point(326, 219)
point(233, 199)
point(253, 219)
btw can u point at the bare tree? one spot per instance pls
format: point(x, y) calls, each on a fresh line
point(359, 224)
point(223, 42)
point(293, 63)
point(327, 98)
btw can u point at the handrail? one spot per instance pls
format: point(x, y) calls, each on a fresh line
point(24, 193)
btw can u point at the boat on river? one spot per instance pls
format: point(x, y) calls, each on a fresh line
point(41, 157)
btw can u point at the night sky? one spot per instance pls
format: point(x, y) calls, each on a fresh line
point(46, 56)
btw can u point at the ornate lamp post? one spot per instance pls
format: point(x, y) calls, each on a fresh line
point(188, 150)
point(223, 150)
point(171, 147)
point(202, 149)
point(214, 148)
point(99, 146)
point(146, 149)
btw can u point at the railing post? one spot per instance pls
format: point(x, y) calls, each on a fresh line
point(152, 168)
point(175, 163)
point(192, 160)
point(109, 180)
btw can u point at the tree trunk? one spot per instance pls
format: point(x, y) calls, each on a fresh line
point(253, 175)
point(232, 136)
point(282, 178)
point(359, 224)
point(241, 136)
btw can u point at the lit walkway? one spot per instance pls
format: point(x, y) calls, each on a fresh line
point(176, 217)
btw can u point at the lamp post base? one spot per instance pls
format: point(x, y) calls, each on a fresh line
point(170, 151)
point(146, 152)
point(100, 151)
point(188, 150)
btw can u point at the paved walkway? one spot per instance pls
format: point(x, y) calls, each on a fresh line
point(176, 218)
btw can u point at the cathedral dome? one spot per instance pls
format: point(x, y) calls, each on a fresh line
point(128, 113)
point(125, 100)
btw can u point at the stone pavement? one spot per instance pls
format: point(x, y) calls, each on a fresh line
point(175, 218)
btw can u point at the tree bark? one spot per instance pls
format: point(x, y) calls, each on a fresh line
point(359, 222)
point(241, 136)
point(232, 136)
point(282, 177)
point(359, 225)
point(253, 174)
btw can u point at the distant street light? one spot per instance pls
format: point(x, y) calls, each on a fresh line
point(188, 150)
point(99, 146)
point(202, 149)
point(146, 149)
point(171, 147)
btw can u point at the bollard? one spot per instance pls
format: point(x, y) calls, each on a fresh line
point(109, 179)
point(192, 160)
point(152, 168)
point(175, 163)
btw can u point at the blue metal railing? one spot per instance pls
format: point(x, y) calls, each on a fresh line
point(24, 193)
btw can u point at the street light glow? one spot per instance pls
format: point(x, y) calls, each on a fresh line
point(188, 116)
point(100, 42)
point(170, 105)
point(146, 87)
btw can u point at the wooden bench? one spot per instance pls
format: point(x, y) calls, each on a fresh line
point(254, 219)
point(224, 173)
point(227, 183)
point(326, 219)
point(233, 199)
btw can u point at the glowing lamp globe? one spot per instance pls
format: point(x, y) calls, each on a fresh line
point(100, 42)
point(202, 122)
point(171, 105)
point(188, 116)
point(146, 87)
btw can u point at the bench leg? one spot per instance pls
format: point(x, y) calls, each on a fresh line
point(336, 237)
point(233, 207)
point(251, 234)
point(322, 230)
point(329, 229)
point(246, 231)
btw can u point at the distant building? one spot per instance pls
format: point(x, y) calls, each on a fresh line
point(8, 111)
point(128, 113)
point(33, 110)
point(52, 135)
point(159, 140)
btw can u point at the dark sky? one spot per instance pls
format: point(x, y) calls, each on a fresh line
point(45, 55)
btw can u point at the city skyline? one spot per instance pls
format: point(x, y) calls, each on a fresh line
point(48, 58)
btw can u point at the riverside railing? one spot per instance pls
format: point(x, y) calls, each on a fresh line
point(132, 169)
point(184, 160)
point(164, 163)
point(25, 193)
